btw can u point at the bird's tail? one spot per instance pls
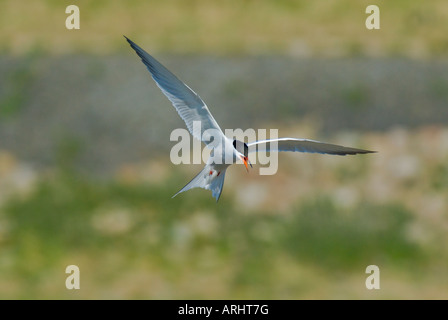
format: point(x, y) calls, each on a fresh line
point(205, 180)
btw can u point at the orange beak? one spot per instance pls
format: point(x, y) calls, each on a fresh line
point(246, 160)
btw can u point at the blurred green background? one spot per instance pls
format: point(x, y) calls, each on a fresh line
point(85, 176)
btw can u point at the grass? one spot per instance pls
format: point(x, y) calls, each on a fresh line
point(296, 27)
point(18, 87)
point(321, 222)
point(118, 233)
point(355, 97)
point(343, 240)
point(131, 240)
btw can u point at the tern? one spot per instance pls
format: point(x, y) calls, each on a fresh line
point(192, 108)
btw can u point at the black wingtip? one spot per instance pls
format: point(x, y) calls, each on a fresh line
point(364, 152)
point(342, 153)
point(130, 41)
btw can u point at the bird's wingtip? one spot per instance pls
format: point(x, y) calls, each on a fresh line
point(128, 40)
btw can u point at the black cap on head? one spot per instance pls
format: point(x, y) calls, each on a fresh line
point(241, 147)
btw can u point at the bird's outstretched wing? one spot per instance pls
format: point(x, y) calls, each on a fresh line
point(303, 145)
point(188, 104)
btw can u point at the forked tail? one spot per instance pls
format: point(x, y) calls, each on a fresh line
point(205, 180)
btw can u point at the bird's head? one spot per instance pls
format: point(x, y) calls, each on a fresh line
point(243, 152)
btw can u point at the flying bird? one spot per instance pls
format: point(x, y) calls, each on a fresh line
point(192, 108)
